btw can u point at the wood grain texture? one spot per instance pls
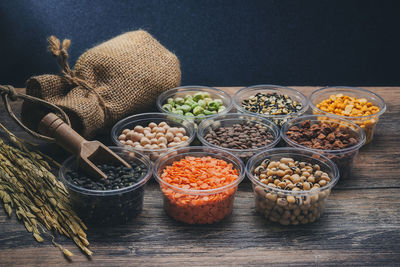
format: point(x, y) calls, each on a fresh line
point(361, 224)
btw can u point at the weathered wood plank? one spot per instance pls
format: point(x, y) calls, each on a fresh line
point(359, 227)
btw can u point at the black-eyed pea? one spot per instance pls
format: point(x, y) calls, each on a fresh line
point(288, 172)
point(283, 167)
point(296, 212)
point(276, 182)
point(306, 186)
point(291, 199)
point(306, 174)
point(294, 222)
point(286, 160)
point(271, 197)
point(270, 179)
point(264, 181)
point(272, 218)
point(314, 198)
point(312, 219)
point(300, 217)
point(292, 206)
point(316, 167)
point(271, 173)
point(306, 200)
point(296, 189)
point(292, 217)
point(309, 216)
point(282, 185)
point(286, 214)
point(311, 179)
point(318, 174)
point(322, 182)
point(280, 173)
point(259, 190)
point(271, 185)
point(263, 176)
point(282, 202)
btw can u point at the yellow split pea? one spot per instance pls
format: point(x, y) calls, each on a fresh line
point(348, 106)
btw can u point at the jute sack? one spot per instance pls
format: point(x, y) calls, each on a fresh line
point(117, 78)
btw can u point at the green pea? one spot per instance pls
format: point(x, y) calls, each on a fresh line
point(213, 105)
point(221, 108)
point(185, 108)
point(189, 102)
point(188, 97)
point(198, 110)
point(178, 111)
point(179, 100)
point(194, 105)
point(202, 103)
point(208, 112)
point(189, 114)
point(167, 107)
point(171, 101)
point(208, 100)
point(198, 96)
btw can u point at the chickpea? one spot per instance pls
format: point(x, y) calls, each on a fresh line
point(147, 146)
point(166, 127)
point(177, 139)
point(145, 141)
point(172, 144)
point(162, 145)
point(160, 130)
point(146, 132)
point(153, 141)
point(185, 138)
point(158, 135)
point(122, 137)
point(180, 135)
point(139, 146)
point(154, 146)
point(136, 137)
point(182, 130)
point(162, 140)
point(122, 142)
point(152, 125)
point(151, 135)
point(161, 124)
point(135, 144)
point(129, 143)
point(125, 131)
point(138, 129)
point(173, 130)
point(169, 136)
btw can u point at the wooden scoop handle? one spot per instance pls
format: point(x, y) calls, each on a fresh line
point(51, 125)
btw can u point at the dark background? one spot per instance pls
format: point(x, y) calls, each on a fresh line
point(219, 43)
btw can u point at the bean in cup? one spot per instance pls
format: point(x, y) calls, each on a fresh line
point(292, 176)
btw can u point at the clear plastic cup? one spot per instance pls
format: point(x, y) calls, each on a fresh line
point(246, 93)
point(191, 90)
point(367, 123)
point(342, 157)
point(106, 207)
point(144, 119)
point(198, 206)
point(291, 207)
point(230, 119)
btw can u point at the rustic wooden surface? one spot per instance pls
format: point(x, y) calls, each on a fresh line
point(361, 225)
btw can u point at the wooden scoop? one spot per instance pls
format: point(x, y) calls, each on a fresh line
point(89, 153)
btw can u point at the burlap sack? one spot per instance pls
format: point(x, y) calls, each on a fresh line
point(117, 78)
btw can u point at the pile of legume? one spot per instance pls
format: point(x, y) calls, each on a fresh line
point(199, 173)
point(291, 176)
point(240, 136)
point(348, 106)
point(272, 104)
point(114, 208)
point(153, 136)
point(200, 104)
point(327, 136)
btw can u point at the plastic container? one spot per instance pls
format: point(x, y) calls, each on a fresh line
point(246, 93)
point(112, 206)
point(273, 203)
point(235, 118)
point(182, 204)
point(343, 158)
point(191, 90)
point(144, 119)
point(367, 123)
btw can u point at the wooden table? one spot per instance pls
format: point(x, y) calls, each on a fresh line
point(361, 224)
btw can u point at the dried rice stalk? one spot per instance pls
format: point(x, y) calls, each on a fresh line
point(38, 198)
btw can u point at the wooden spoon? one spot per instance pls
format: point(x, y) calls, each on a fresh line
point(89, 153)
